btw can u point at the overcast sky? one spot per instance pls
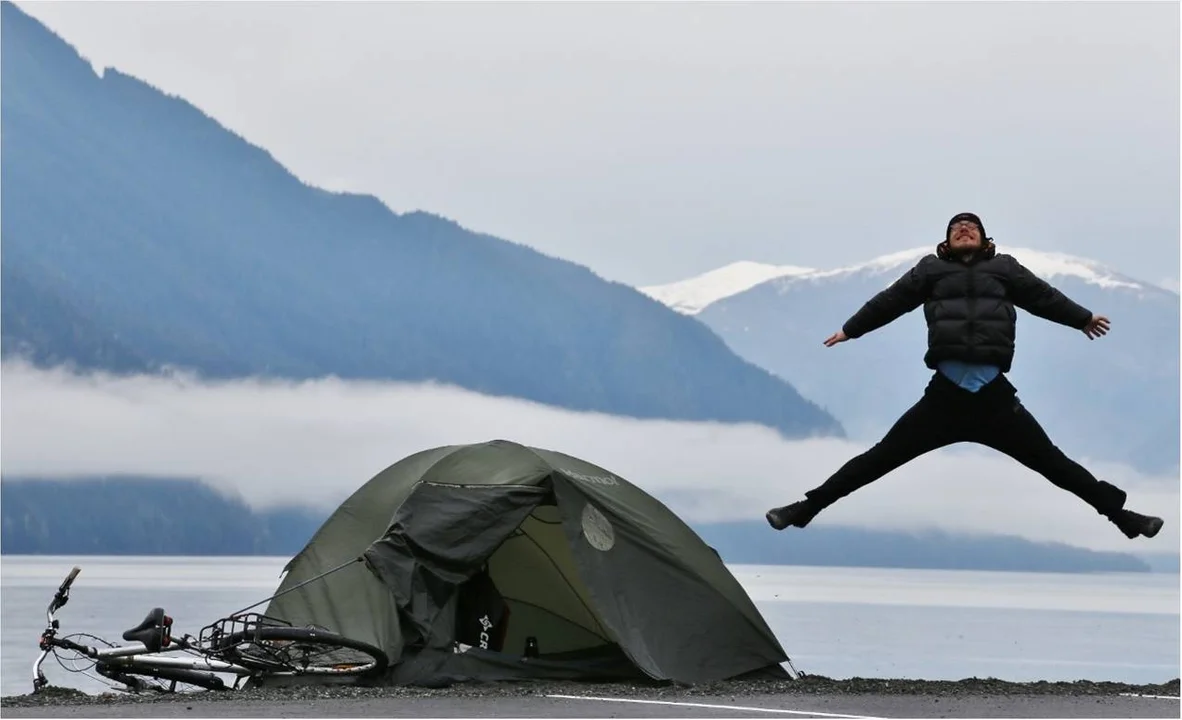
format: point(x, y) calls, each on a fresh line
point(651, 142)
point(317, 442)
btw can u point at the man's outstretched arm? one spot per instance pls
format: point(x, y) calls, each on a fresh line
point(903, 296)
point(1039, 298)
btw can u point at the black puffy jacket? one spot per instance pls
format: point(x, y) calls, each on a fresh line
point(969, 307)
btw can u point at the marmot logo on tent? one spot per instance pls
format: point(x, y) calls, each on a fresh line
point(595, 479)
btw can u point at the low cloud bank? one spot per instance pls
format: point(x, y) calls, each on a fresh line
point(279, 442)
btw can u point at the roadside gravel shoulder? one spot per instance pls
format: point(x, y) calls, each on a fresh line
point(805, 686)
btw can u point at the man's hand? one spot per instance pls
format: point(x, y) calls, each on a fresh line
point(1096, 327)
point(837, 337)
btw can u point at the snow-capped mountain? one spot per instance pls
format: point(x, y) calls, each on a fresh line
point(690, 296)
point(1114, 399)
point(694, 294)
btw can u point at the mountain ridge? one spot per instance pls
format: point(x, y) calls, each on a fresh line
point(692, 295)
point(141, 234)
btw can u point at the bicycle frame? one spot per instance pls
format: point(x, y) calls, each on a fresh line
point(150, 643)
point(135, 655)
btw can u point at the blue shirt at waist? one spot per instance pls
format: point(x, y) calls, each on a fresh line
point(967, 375)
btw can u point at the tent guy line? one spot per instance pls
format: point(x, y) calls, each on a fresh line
point(808, 713)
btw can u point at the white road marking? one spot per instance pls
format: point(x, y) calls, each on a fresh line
point(1153, 697)
point(717, 707)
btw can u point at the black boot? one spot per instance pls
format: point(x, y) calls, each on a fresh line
point(1134, 524)
point(798, 514)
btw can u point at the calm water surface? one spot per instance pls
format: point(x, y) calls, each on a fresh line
point(838, 622)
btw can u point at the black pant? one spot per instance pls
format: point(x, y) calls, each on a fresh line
point(992, 416)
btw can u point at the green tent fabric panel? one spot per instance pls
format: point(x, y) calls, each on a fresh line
point(492, 463)
point(669, 619)
point(365, 516)
point(355, 604)
point(536, 573)
point(440, 537)
point(678, 542)
point(353, 601)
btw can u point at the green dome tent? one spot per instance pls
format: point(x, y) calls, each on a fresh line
point(497, 561)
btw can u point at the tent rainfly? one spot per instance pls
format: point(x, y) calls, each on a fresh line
point(496, 561)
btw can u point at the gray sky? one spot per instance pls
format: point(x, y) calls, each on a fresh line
point(651, 142)
point(319, 441)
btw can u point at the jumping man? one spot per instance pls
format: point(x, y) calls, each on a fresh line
point(968, 292)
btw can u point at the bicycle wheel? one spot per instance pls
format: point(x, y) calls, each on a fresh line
point(301, 651)
point(139, 678)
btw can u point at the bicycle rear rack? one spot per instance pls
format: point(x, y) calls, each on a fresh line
point(212, 635)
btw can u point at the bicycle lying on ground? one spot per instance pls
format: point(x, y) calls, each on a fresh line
point(245, 645)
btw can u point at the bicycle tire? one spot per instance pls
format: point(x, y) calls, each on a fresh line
point(129, 675)
point(270, 661)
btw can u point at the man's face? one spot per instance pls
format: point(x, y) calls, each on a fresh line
point(965, 236)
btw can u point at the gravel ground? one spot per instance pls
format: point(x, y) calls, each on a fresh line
point(809, 685)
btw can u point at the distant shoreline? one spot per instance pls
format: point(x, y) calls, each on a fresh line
point(218, 525)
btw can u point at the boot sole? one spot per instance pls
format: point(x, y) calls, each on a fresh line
point(771, 520)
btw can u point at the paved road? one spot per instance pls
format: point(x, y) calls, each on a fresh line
point(849, 707)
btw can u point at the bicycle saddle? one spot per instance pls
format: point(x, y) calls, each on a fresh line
point(152, 632)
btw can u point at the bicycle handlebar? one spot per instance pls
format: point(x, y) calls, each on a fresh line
point(70, 579)
point(62, 596)
point(48, 638)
